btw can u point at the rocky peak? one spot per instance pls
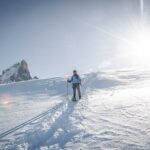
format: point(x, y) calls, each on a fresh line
point(15, 73)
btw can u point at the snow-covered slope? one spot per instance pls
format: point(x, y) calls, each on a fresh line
point(113, 113)
point(6, 74)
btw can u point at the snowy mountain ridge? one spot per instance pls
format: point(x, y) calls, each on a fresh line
point(90, 80)
point(6, 74)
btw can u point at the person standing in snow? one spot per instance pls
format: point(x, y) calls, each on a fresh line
point(76, 83)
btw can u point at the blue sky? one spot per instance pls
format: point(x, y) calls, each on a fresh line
point(57, 36)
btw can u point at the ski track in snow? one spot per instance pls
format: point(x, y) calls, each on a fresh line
point(113, 114)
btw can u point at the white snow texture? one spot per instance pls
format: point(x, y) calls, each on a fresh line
point(113, 114)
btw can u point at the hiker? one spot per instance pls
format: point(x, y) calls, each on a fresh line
point(76, 83)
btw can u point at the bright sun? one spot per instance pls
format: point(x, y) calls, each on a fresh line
point(137, 47)
point(140, 44)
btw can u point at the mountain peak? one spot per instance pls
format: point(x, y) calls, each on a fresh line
point(15, 73)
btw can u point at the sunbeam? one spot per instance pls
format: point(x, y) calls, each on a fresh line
point(142, 7)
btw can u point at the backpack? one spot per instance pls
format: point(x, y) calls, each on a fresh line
point(76, 79)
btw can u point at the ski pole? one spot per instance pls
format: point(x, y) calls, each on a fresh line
point(67, 90)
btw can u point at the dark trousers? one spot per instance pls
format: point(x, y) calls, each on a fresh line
point(76, 87)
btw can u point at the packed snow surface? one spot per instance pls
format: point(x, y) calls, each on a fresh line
point(113, 114)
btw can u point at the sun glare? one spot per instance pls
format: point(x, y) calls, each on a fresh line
point(137, 47)
point(140, 45)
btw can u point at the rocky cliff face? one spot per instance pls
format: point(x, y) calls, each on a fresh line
point(17, 72)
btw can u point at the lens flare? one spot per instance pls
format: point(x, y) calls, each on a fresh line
point(5, 101)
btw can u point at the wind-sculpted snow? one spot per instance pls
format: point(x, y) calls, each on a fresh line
point(55, 85)
point(112, 114)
